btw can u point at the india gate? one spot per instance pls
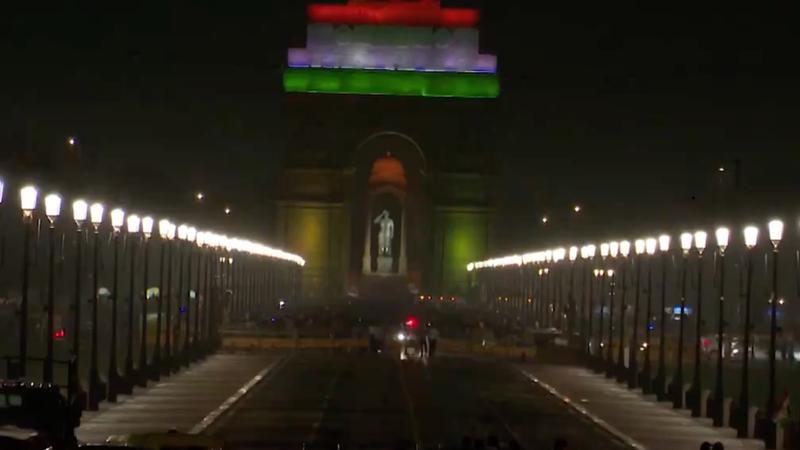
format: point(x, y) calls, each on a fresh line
point(387, 186)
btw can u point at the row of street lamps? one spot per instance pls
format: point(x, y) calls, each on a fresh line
point(258, 275)
point(544, 306)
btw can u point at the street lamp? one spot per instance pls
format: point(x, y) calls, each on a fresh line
point(168, 338)
point(163, 233)
point(134, 225)
point(750, 241)
point(115, 381)
point(677, 384)
point(651, 245)
point(191, 236)
point(28, 196)
point(96, 386)
point(144, 370)
point(613, 247)
point(723, 236)
point(80, 213)
point(625, 251)
point(700, 238)
point(661, 376)
point(52, 208)
point(573, 255)
point(775, 234)
point(633, 348)
point(587, 254)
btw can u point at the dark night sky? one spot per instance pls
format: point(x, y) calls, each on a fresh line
point(622, 110)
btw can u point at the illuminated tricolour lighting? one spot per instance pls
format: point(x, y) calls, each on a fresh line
point(392, 48)
point(428, 13)
point(391, 82)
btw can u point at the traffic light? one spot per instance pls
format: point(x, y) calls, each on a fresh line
point(411, 322)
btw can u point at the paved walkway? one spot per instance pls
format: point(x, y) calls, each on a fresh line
point(178, 402)
point(641, 421)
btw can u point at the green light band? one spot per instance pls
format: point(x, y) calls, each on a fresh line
point(391, 82)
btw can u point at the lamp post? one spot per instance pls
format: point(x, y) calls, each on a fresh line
point(677, 382)
point(134, 224)
point(52, 207)
point(775, 234)
point(143, 367)
point(191, 236)
point(115, 382)
point(613, 252)
point(661, 376)
point(633, 349)
point(723, 235)
point(168, 330)
point(624, 251)
point(587, 254)
point(700, 238)
point(163, 233)
point(183, 231)
point(2, 236)
point(28, 196)
point(604, 251)
point(573, 255)
point(750, 240)
point(645, 380)
point(80, 212)
point(96, 386)
point(200, 294)
point(596, 273)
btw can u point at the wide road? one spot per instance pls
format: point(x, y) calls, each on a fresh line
point(320, 399)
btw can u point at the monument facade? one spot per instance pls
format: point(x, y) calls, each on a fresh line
point(388, 195)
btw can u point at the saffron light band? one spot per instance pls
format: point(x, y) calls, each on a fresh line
point(424, 13)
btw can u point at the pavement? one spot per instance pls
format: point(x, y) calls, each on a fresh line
point(321, 399)
point(180, 402)
point(640, 420)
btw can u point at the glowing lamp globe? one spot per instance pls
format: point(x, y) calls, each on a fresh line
point(163, 228)
point(117, 218)
point(650, 245)
point(775, 228)
point(80, 211)
point(52, 206)
point(723, 236)
point(686, 241)
point(700, 239)
point(663, 242)
point(96, 213)
point(639, 246)
point(613, 248)
point(27, 197)
point(750, 236)
point(134, 223)
point(605, 248)
point(147, 226)
point(625, 248)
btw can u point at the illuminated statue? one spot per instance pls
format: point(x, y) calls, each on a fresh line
point(385, 234)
